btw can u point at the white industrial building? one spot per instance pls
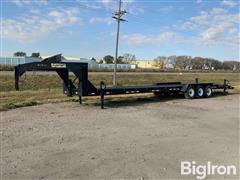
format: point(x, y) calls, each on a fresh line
point(119, 66)
point(12, 61)
point(92, 64)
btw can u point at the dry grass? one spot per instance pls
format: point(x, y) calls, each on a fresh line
point(13, 99)
point(38, 89)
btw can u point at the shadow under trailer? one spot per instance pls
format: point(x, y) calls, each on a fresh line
point(81, 86)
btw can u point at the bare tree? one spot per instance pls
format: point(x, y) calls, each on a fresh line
point(184, 62)
point(129, 58)
point(160, 62)
point(171, 61)
point(198, 62)
point(231, 65)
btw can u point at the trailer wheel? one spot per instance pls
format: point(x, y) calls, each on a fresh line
point(208, 91)
point(200, 91)
point(190, 93)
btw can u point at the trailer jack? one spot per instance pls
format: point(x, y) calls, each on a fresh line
point(102, 92)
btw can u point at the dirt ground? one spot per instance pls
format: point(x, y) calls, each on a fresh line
point(138, 141)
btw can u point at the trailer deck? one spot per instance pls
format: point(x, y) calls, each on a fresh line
point(81, 86)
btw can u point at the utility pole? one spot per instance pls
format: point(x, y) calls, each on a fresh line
point(118, 16)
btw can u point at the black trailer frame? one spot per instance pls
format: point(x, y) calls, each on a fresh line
point(81, 86)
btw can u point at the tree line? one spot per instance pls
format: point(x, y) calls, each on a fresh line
point(126, 58)
point(167, 62)
point(194, 63)
point(23, 54)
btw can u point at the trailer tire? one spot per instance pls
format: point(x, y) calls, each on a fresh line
point(208, 91)
point(200, 92)
point(190, 93)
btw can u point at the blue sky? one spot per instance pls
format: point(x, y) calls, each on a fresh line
point(208, 28)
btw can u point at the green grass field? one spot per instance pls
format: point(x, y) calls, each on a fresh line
point(38, 89)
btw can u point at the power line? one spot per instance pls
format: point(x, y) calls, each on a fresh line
point(118, 16)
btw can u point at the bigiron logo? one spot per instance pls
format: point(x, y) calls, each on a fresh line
point(202, 171)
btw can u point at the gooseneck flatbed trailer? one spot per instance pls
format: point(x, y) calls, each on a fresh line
point(81, 86)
